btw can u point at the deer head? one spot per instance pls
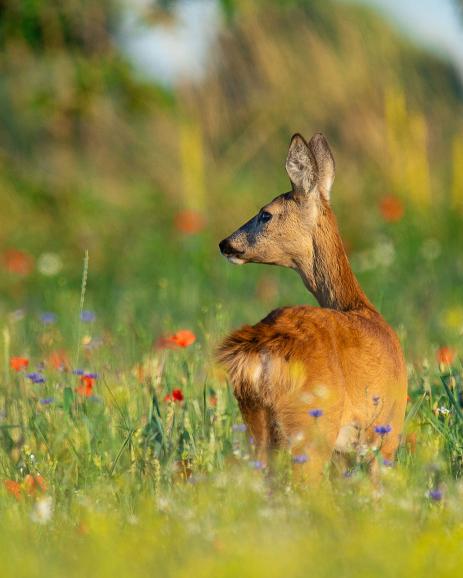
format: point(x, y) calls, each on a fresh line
point(281, 232)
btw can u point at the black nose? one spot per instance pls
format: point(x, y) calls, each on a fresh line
point(226, 248)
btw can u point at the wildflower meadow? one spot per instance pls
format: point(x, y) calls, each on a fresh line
point(122, 447)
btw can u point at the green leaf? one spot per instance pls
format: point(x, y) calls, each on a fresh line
point(68, 399)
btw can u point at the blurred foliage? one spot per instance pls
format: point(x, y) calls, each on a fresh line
point(93, 156)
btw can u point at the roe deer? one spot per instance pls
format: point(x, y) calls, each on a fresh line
point(316, 380)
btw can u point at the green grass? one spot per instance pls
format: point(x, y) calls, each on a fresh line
point(137, 484)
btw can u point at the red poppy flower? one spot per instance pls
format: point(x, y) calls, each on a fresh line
point(59, 360)
point(13, 488)
point(85, 388)
point(391, 208)
point(213, 400)
point(183, 338)
point(18, 262)
point(188, 222)
point(18, 363)
point(176, 395)
point(445, 355)
point(34, 483)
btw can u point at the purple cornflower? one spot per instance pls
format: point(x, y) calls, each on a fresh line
point(256, 464)
point(388, 463)
point(300, 459)
point(435, 494)
point(239, 427)
point(46, 400)
point(383, 429)
point(87, 316)
point(48, 317)
point(78, 371)
point(252, 441)
point(36, 377)
point(316, 412)
point(91, 375)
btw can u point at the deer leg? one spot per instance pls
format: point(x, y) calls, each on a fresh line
point(312, 442)
point(256, 420)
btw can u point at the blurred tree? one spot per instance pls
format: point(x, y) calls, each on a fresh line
point(91, 153)
point(76, 24)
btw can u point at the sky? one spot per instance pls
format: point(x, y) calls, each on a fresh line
point(171, 52)
point(180, 51)
point(435, 24)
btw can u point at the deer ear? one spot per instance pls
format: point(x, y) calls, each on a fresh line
point(301, 166)
point(325, 163)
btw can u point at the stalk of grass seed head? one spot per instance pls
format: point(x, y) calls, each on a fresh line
point(83, 289)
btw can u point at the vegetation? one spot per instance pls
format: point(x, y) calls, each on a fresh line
point(121, 446)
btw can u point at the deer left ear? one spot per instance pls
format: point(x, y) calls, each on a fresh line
point(325, 163)
point(301, 166)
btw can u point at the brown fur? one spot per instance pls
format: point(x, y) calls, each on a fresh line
point(341, 358)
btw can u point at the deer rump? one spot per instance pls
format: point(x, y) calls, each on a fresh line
point(301, 360)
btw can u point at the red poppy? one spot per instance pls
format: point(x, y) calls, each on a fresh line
point(86, 385)
point(391, 208)
point(13, 488)
point(188, 222)
point(445, 355)
point(183, 338)
point(176, 395)
point(34, 483)
point(18, 262)
point(213, 400)
point(18, 363)
point(59, 360)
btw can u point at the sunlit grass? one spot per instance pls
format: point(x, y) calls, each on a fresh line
point(138, 480)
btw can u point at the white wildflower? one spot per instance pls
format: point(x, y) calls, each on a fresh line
point(43, 510)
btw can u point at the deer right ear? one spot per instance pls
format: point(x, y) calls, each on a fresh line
point(301, 166)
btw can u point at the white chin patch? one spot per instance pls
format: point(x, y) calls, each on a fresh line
point(235, 260)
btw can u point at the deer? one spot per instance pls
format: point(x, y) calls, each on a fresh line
point(320, 382)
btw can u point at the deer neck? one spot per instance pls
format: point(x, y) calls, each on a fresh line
point(326, 271)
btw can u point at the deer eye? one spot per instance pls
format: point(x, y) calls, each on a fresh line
point(264, 217)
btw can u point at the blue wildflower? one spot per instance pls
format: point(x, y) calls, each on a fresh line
point(46, 400)
point(36, 377)
point(435, 494)
point(300, 459)
point(78, 371)
point(383, 429)
point(256, 464)
point(91, 375)
point(48, 317)
point(388, 463)
point(316, 412)
point(239, 427)
point(87, 316)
